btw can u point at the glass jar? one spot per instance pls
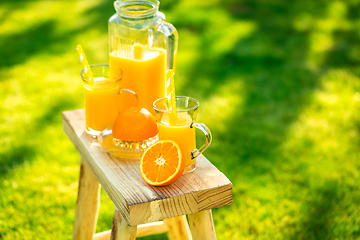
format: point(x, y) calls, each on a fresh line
point(144, 47)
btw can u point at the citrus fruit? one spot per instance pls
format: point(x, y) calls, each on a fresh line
point(135, 124)
point(162, 163)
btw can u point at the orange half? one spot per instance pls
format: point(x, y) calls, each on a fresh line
point(135, 124)
point(162, 163)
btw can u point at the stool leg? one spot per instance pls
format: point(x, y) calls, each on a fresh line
point(178, 228)
point(87, 204)
point(202, 225)
point(120, 230)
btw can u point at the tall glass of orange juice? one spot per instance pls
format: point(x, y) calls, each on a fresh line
point(179, 125)
point(102, 98)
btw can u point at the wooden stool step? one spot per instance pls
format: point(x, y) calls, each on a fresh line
point(136, 202)
point(143, 230)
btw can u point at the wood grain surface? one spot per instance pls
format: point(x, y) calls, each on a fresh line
point(138, 202)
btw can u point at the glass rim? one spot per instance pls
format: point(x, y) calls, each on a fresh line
point(108, 79)
point(121, 5)
point(176, 97)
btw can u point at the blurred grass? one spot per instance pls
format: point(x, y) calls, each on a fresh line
point(278, 84)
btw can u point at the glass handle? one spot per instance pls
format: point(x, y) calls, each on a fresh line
point(208, 137)
point(172, 43)
point(121, 90)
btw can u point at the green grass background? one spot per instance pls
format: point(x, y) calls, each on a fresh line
point(278, 85)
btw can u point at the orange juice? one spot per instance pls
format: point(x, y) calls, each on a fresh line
point(143, 72)
point(176, 127)
point(101, 104)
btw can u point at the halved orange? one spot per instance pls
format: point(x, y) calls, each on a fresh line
point(162, 163)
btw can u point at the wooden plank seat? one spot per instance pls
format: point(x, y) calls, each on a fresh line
point(139, 206)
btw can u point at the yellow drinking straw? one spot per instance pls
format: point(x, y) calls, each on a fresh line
point(84, 63)
point(170, 90)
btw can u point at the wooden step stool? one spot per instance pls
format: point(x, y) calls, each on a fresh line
point(139, 206)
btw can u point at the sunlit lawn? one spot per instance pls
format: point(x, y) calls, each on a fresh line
point(278, 85)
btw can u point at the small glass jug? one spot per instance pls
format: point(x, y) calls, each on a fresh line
point(144, 46)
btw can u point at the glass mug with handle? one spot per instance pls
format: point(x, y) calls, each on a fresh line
point(102, 98)
point(179, 125)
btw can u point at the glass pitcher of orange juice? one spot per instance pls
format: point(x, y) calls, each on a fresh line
point(144, 46)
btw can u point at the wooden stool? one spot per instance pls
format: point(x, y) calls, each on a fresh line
point(139, 206)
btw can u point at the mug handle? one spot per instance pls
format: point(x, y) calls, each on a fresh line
point(121, 90)
point(196, 152)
